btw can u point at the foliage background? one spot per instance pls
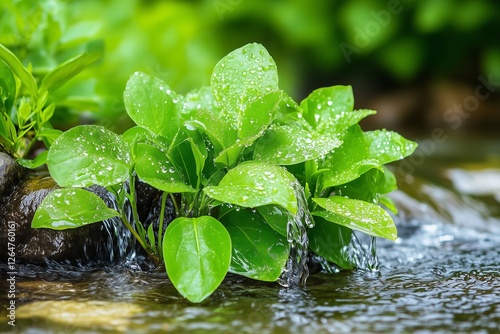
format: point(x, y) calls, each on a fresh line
point(412, 66)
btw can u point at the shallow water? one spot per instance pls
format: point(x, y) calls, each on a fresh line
point(442, 275)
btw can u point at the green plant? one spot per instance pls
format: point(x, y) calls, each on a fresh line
point(246, 160)
point(25, 111)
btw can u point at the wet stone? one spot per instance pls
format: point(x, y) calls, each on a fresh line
point(147, 198)
point(89, 244)
point(10, 173)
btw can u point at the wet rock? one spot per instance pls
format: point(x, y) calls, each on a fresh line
point(10, 173)
point(147, 198)
point(91, 243)
point(153, 216)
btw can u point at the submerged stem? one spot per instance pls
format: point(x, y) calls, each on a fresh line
point(160, 225)
point(144, 245)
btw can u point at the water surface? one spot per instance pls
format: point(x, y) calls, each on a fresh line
point(441, 276)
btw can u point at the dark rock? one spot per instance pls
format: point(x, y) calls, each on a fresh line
point(147, 198)
point(149, 206)
point(154, 214)
point(10, 173)
point(92, 243)
point(20, 196)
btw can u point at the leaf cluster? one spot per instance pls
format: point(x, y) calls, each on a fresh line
point(243, 155)
point(25, 106)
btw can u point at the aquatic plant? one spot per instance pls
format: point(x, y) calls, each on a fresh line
point(258, 175)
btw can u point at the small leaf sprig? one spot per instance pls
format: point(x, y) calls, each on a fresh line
point(25, 111)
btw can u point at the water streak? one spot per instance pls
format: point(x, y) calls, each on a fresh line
point(296, 270)
point(121, 244)
point(363, 258)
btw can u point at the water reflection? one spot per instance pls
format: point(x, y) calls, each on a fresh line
point(442, 275)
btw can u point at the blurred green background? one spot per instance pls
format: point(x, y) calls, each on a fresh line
point(410, 60)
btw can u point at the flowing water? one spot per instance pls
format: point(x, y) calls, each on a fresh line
point(442, 275)
point(296, 271)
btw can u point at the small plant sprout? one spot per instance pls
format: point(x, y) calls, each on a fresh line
point(25, 107)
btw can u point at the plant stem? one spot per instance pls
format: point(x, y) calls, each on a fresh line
point(176, 207)
point(126, 222)
point(144, 245)
point(160, 225)
point(132, 199)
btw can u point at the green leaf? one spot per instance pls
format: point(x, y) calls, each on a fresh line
point(348, 162)
point(219, 131)
point(259, 252)
point(388, 146)
point(259, 115)
point(276, 217)
point(70, 208)
point(331, 241)
point(289, 112)
point(87, 155)
point(324, 103)
point(357, 215)
point(289, 145)
point(47, 113)
point(151, 104)
point(19, 70)
point(7, 87)
point(40, 160)
point(185, 153)
point(200, 154)
point(49, 135)
point(151, 237)
point(8, 131)
point(153, 167)
point(389, 204)
point(369, 186)
point(200, 99)
point(253, 184)
point(197, 254)
point(241, 77)
point(138, 134)
point(230, 156)
point(23, 112)
point(67, 70)
point(340, 122)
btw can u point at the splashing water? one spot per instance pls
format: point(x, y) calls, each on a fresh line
point(364, 259)
point(121, 245)
point(296, 270)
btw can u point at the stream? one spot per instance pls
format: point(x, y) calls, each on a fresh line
point(442, 275)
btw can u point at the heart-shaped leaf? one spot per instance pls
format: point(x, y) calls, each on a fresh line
point(241, 77)
point(324, 103)
point(197, 254)
point(152, 104)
